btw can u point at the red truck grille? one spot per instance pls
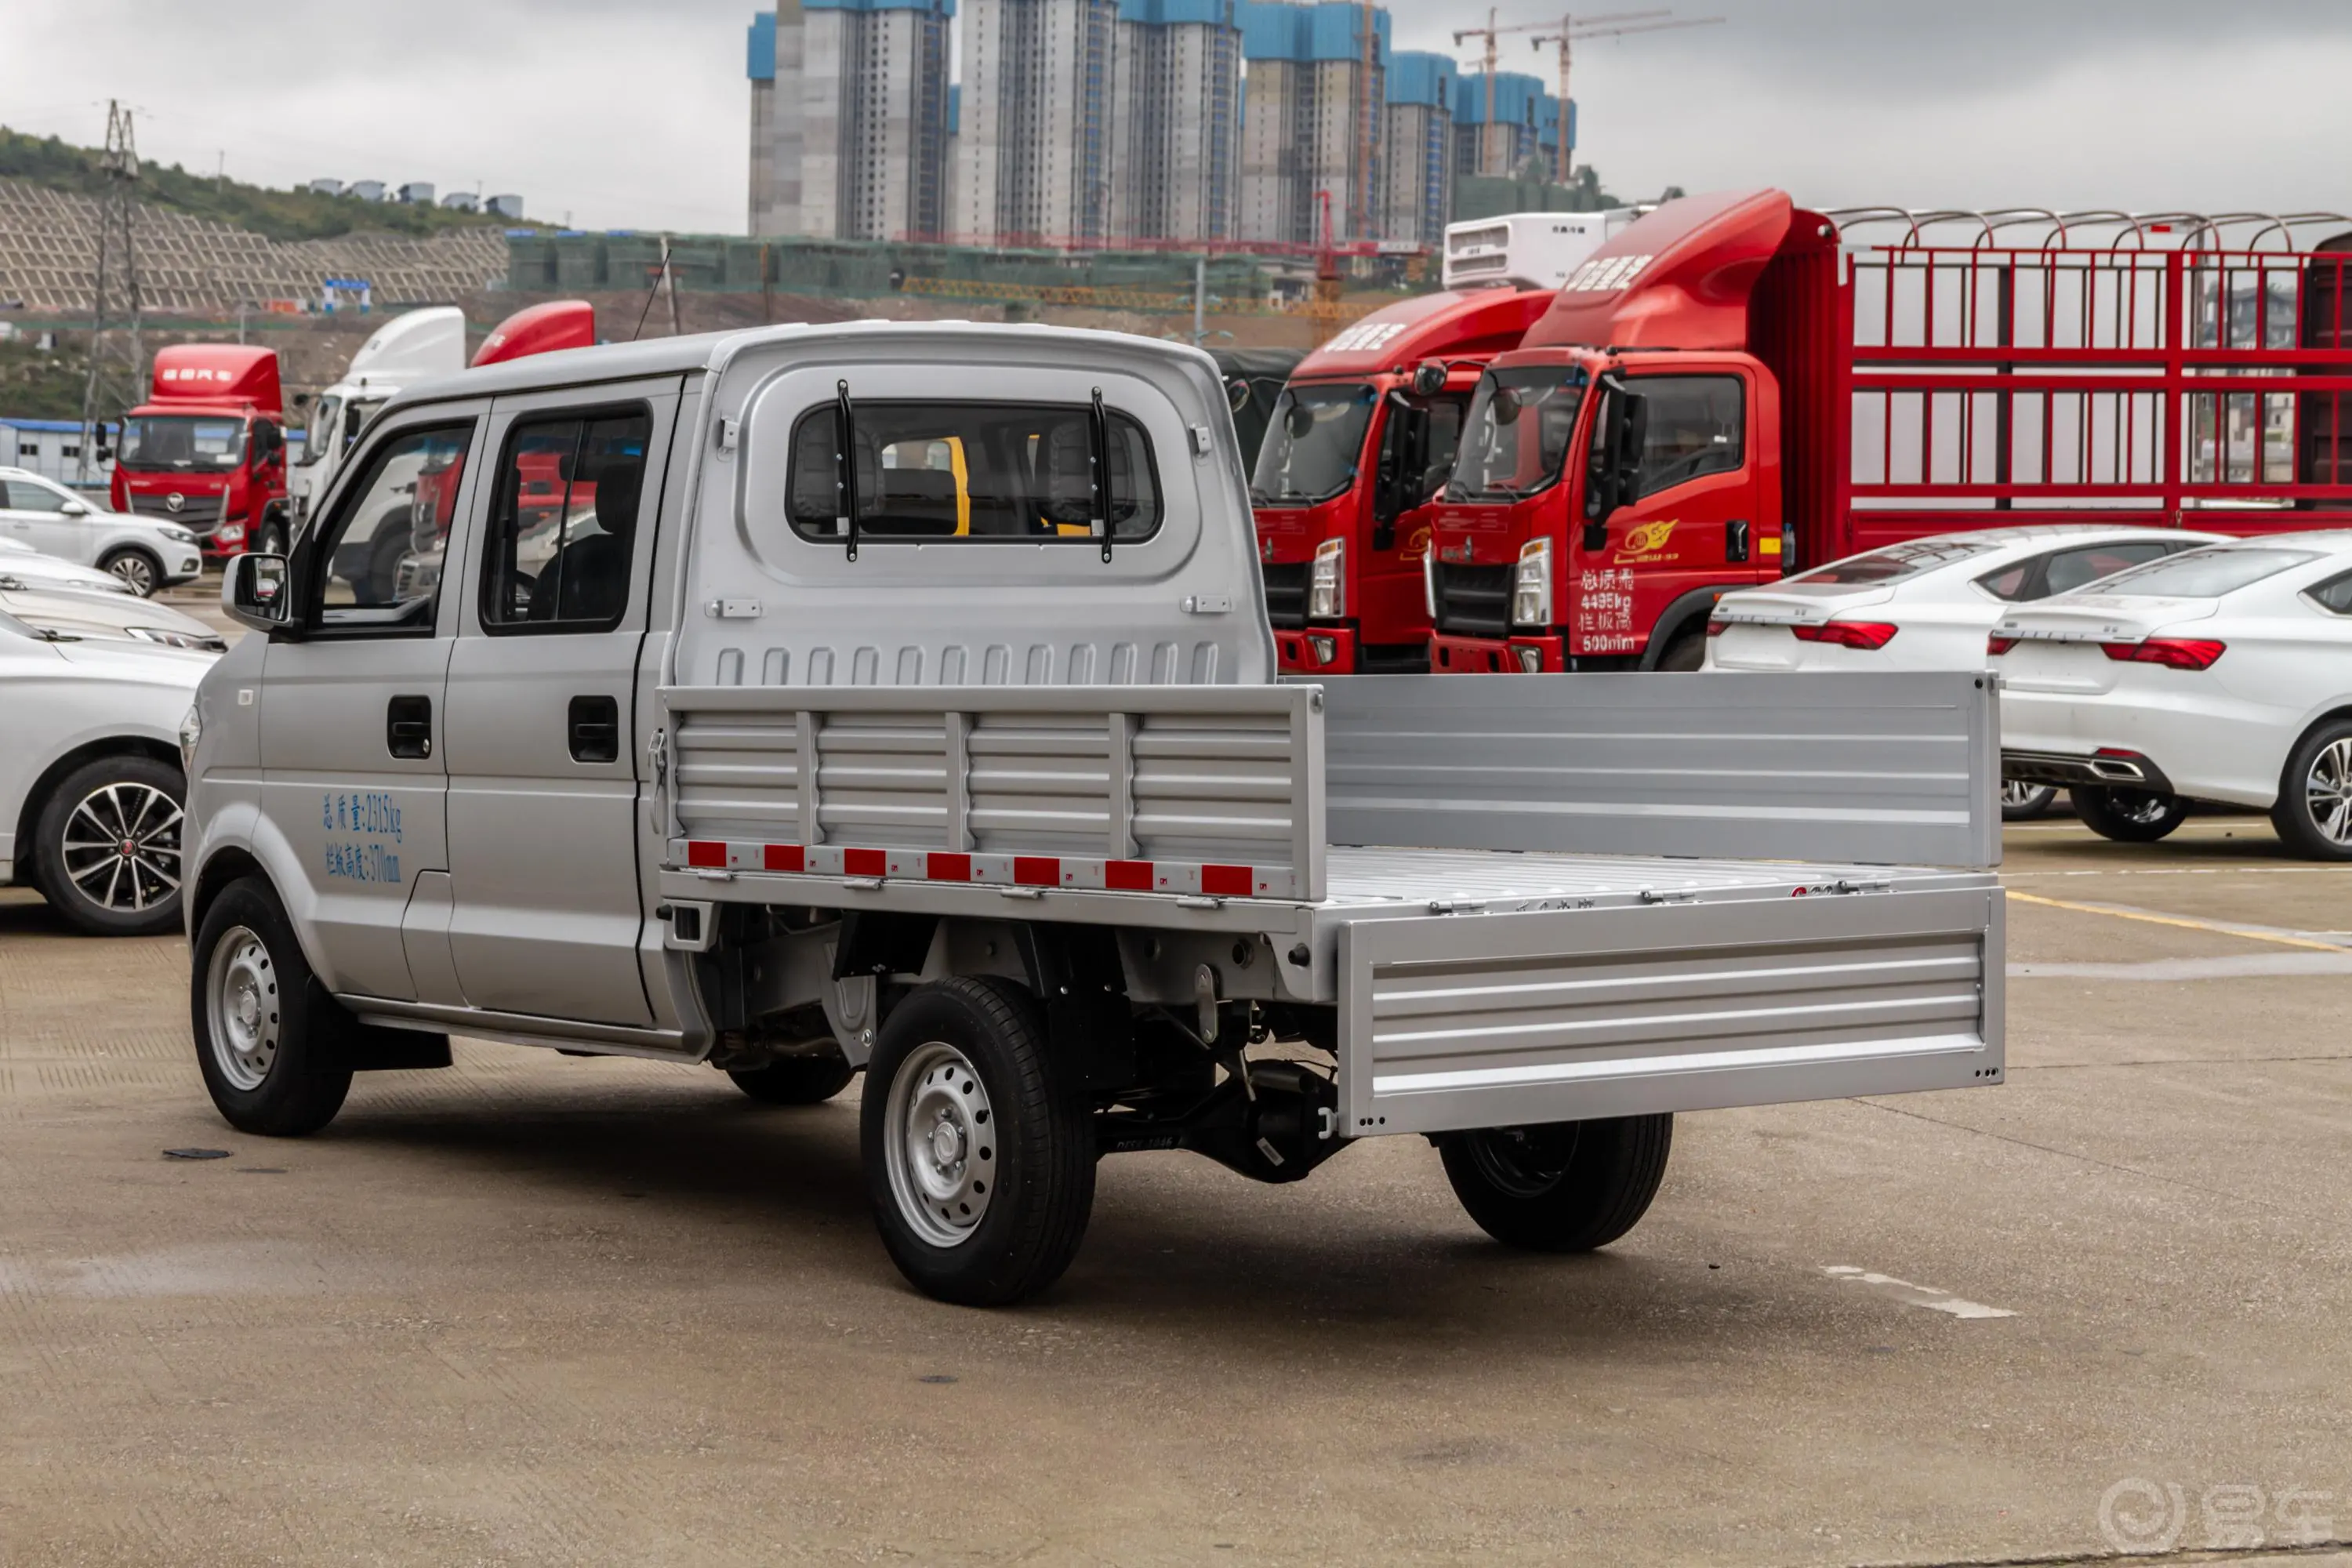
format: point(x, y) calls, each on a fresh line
point(1474, 601)
point(1286, 594)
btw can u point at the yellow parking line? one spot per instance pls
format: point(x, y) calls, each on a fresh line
point(2176, 921)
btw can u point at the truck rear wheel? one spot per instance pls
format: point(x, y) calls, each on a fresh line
point(1569, 1186)
point(797, 1080)
point(268, 1036)
point(979, 1146)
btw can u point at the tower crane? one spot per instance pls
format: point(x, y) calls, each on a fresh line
point(1610, 24)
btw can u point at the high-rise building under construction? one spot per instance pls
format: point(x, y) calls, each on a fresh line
point(1524, 124)
point(1417, 162)
point(849, 118)
point(1176, 120)
point(1313, 118)
point(1033, 148)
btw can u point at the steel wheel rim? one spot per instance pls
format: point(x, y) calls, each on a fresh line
point(241, 1011)
point(135, 571)
point(2327, 790)
point(940, 1144)
point(121, 847)
point(1524, 1162)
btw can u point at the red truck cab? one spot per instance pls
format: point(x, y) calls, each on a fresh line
point(1359, 442)
point(208, 449)
point(1620, 470)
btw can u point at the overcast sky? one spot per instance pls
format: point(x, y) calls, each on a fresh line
point(632, 113)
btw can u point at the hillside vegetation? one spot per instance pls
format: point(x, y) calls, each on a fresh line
point(278, 215)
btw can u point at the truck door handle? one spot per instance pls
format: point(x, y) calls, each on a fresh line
point(1734, 539)
point(408, 726)
point(594, 726)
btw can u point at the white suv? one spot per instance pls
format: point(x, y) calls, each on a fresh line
point(145, 553)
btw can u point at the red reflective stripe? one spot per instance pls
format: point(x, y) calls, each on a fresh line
point(1227, 881)
point(1127, 875)
point(705, 852)
point(786, 857)
point(943, 868)
point(865, 863)
point(1037, 870)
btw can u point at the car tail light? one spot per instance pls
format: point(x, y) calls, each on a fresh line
point(1715, 628)
point(2173, 653)
point(1848, 634)
point(1997, 644)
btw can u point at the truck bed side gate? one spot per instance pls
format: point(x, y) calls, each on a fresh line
point(1502, 1020)
point(1193, 791)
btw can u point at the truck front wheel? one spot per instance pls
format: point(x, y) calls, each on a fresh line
point(1568, 1187)
point(978, 1145)
point(268, 1035)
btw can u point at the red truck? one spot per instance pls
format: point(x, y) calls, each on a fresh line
point(208, 449)
point(1358, 441)
point(1730, 389)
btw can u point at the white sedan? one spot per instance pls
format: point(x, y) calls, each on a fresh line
point(2225, 674)
point(1925, 604)
point(90, 779)
point(22, 567)
point(145, 553)
point(108, 616)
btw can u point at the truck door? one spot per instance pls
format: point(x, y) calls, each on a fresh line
point(543, 777)
point(1691, 521)
point(351, 727)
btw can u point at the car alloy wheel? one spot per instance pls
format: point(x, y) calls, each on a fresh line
point(2327, 790)
point(123, 848)
point(940, 1144)
point(241, 1008)
point(138, 574)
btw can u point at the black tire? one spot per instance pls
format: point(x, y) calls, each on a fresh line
point(1686, 652)
point(382, 583)
point(1569, 1186)
point(294, 1086)
point(1032, 1145)
point(140, 571)
point(2127, 815)
point(2025, 801)
point(271, 539)
point(2314, 812)
point(111, 801)
point(797, 1080)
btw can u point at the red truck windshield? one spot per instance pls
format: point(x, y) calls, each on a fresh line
point(1517, 432)
point(177, 443)
point(1313, 444)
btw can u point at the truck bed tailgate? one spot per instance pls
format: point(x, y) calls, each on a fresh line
point(1483, 1020)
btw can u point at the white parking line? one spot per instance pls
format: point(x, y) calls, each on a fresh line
point(1912, 1295)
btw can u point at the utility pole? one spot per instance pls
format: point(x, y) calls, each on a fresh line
point(1570, 28)
point(112, 381)
point(1200, 299)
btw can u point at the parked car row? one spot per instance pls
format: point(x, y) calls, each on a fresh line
point(2144, 670)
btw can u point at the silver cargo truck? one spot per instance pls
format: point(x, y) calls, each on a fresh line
point(899, 698)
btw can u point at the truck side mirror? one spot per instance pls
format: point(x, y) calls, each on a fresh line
point(1298, 422)
point(254, 591)
point(1238, 395)
point(1429, 378)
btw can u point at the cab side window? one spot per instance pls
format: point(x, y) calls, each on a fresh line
point(564, 524)
point(1698, 425)
point(378, 560)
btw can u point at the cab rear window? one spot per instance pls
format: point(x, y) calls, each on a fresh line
point(1023, 472)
